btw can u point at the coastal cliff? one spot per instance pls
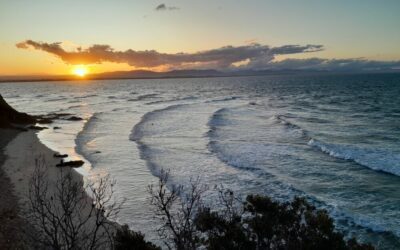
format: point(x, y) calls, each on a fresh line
point(10, 116)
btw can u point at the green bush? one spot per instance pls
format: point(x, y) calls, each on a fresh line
point(267, 224)
point(257, 223)
point(126, 239)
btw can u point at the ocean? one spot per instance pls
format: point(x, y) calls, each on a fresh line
point(334, 139)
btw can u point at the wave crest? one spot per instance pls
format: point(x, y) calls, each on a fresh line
point(374, 159)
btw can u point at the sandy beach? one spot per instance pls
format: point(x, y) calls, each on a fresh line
point(20, 152)
point(10, 220)
point(20, 149)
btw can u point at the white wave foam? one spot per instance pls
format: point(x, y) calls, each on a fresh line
point(136, 133)
point(377, 160)
point(80, 137)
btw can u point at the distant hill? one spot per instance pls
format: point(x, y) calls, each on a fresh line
point(147, 74)
point(153, 74)
point(187, 73)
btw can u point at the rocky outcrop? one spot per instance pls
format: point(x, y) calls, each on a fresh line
point(9, 116)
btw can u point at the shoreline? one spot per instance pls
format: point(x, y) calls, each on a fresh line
point(20, 154)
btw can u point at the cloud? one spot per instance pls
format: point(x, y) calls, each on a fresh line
point(354, 64)
point(223, 57)
point(251, 56)
point(163, 7)
point(294, 49)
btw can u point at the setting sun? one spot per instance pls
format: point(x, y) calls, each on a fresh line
point(80, 71)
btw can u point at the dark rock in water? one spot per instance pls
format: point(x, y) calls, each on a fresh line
point(74, 118)
point(54, 116)
point(56, 128)
point(49, 118)
point(10, 116)
point(57, 155)
point(253, 103)
point(44, 120)
point(58, 115)
point(73, 164)
point(37, 127)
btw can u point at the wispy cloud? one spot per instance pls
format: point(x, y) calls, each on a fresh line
point(251, 56)
point(355, 64)
point(163, 7)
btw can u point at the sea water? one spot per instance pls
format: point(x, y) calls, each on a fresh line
point(334, 139)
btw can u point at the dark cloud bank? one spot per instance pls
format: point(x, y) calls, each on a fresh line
point(253, 56)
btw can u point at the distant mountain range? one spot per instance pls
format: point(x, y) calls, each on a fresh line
point(146, 74)
point(190, 73)
point(153, 74)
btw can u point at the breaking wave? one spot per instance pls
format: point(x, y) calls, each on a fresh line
point(374, 159)
point(138, 130)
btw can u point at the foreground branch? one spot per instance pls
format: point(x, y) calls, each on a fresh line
point(69, 214)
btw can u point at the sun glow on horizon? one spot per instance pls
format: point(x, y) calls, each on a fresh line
point(80, 70)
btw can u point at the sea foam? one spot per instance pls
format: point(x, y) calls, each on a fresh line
point(374, 159)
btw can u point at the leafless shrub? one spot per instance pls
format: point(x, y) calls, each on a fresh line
point(231, 205)
point(68, 214)
point(177, 210)
point(256, 223)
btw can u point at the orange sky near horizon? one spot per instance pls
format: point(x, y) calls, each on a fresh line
point(14, 62)
point(346, 29)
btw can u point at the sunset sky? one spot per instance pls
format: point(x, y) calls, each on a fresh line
point(52, 37)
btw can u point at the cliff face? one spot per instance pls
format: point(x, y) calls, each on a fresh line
point(9, 116)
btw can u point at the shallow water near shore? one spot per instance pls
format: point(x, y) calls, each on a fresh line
point(334, 139)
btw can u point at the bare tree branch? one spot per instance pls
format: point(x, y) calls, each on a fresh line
point(69, 214)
